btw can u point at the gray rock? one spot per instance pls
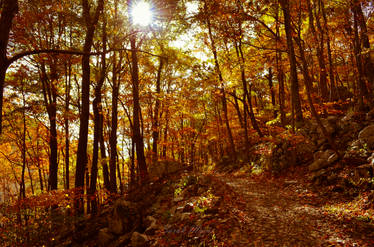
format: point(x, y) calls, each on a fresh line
point(366, 136)
point(139, 240)
point(105, 237)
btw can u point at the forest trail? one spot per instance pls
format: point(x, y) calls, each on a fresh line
point(285, 213)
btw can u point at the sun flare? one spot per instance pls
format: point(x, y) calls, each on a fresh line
point(141, 13)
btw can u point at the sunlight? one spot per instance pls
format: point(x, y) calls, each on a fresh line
point(141, 13)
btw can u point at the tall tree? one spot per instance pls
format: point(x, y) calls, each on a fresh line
point(138, 138)
point(90, 24)
point(296, 104)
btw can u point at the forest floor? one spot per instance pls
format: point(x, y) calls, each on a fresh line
point(267, 211)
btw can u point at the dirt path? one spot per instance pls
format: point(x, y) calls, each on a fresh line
point(284, 213)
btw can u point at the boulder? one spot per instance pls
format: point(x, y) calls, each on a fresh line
point(366, 136)
point(123, 218)
point(105, 237)
point(139, 240)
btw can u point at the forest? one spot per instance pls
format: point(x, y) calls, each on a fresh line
point(186, 123)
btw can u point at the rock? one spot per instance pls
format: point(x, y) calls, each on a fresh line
point(319, 142)
point(371, 159)
point(187, 208)
point(334, 157)
point(163, 168)
point(178, 199)
point(364, 171)
point(348, 117)
point(366, 136)
point(317, 174)
point(124, 217)
point(139, 240)
point(327, 154)
point(370, 115)
point(105, 237)
point(318, 155)
point(151, 225)
point(318, 164)
point(330, 127)
point(122, 241)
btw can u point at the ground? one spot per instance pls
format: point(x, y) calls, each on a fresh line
point(264, 211)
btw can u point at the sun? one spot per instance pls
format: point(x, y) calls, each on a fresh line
point(141, 13)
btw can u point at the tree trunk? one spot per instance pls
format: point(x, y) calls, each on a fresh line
point(9, 10)
point(333, 91)
point(98, 128)
point(362, 90)
point(296, 104)
point(320, 50)
point(156, 124)
point(280, 74)
point(50, 101)
point(138, 138)
point(85, 104)
point(368, 66)
point(222, 86)
point(272, 93)
point(308, 83)
point(114, 125)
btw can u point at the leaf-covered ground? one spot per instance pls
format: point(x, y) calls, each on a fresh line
point(243, 210)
